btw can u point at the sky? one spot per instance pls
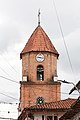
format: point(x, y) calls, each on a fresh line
point(18, 19)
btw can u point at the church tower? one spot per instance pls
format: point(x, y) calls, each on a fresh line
point(39, 69)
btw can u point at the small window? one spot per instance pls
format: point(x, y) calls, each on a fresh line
point(55, 117)
point(42, 117)
point(40, 72)
point(40, 100)
point(49, 117)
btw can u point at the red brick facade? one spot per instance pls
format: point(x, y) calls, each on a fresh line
point(29, 65)
point(30, 92)
point(32, 88)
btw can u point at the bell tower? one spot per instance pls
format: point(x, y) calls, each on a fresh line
point(39, 69)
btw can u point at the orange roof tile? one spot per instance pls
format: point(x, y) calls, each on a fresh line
point(62, 104)
point(39, 41)
point(58, 105)
point(75, 108)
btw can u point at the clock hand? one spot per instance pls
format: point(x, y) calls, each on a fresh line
point(39, 57)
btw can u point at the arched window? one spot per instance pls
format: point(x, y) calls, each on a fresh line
point(40, 72)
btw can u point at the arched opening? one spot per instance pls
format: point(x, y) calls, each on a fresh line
point(40, 72)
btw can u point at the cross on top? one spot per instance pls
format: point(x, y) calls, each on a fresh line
point(39, 17)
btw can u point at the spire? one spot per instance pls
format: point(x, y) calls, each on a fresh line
point(39, 41)
point(39, 17)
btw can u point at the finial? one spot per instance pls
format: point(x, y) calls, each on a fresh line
point(39, 17)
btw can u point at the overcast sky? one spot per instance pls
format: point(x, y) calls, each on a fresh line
point(18, 19)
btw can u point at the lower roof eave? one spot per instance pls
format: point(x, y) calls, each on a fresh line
point(47, 109)
point(69, 114)
point(33, 111)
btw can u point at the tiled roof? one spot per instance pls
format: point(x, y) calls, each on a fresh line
point(58, 105)
point(39, 41)
point(75, 108)
point(62, 104)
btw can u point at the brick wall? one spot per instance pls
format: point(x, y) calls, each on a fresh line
point(30, 93)
point(29, 65)
point(32, 89)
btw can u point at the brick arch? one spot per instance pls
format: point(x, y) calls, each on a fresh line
point(40, 72)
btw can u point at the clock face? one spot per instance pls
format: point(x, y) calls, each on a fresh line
point(40, 57)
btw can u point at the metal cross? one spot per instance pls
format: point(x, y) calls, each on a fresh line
point(39, 17)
